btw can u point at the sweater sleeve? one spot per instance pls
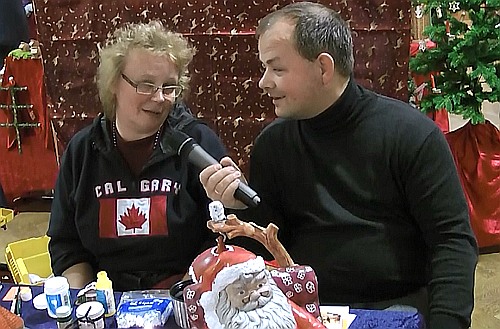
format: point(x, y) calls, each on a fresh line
point(65, 246)
point(437, 202)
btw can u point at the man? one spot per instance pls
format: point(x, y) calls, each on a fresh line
point(363, 187)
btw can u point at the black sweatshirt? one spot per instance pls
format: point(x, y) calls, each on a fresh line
point(367, 194)
point(141, 230)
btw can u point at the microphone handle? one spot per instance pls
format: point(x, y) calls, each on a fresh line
point(201, 159)
point(198, 156)
point(246, 195)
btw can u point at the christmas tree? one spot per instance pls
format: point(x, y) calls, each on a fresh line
point(464, 67)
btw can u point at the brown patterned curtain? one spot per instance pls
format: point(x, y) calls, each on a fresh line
point(225, 70)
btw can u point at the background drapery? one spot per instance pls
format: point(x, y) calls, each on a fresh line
point(225, 70)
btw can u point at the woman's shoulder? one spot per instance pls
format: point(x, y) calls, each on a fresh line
point(206, 137)
point(92, 135)
point(199, 130)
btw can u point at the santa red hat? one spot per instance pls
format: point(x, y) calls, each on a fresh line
point(214, 272)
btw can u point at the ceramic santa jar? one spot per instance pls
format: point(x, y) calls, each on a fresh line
point(234, 289)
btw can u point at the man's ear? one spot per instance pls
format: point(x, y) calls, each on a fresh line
point(327, 66)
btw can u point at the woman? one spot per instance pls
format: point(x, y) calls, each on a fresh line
point(125, 202)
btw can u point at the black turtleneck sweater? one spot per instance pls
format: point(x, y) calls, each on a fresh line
point(367, 194)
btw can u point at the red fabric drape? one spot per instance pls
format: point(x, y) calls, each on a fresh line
point(35, 168)
point(476, 149)
point(440, 117)
point(29, 73)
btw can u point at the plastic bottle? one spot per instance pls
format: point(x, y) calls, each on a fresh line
point(105, 295)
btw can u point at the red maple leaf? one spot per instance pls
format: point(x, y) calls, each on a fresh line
point(132, 219)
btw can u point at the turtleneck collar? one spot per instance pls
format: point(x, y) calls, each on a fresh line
point(340, 114)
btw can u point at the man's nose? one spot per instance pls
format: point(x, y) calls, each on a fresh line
point(265, 82)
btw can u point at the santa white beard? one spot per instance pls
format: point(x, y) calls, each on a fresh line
point(275, 314)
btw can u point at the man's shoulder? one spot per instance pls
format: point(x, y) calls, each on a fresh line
point(275, 132)
point(278, 126)
point(402, 114)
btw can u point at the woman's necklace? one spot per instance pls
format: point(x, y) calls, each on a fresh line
point(115, 140)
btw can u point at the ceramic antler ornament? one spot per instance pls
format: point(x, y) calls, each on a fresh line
point(231, 227)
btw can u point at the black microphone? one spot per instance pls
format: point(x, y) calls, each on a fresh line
point(186, 146)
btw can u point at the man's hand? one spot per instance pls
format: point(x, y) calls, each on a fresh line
point(221, 181)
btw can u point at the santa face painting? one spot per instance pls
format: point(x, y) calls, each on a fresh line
point(249, 292)
point(254, 301)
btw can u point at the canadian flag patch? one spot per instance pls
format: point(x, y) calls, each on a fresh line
point(131, 217)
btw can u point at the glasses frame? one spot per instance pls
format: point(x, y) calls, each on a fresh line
point(177, 90)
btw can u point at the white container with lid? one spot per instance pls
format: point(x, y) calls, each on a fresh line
point(90, 315)
point(64, 318)
point(56, 291)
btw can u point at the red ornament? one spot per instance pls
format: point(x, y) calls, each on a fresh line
point(11, 82)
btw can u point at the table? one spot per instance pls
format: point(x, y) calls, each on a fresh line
point(386, 319)
point(373, 319)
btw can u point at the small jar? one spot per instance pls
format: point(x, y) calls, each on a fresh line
point(91, 296)
point(64, 318)
point(90, 315)
point(56, 291)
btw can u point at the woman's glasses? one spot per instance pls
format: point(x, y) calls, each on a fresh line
point(145, 88)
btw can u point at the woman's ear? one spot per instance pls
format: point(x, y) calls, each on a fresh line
point(327, 65)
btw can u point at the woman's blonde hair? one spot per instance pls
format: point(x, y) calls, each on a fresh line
point(152, 36)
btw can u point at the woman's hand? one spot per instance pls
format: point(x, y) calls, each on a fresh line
point(79, 275)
